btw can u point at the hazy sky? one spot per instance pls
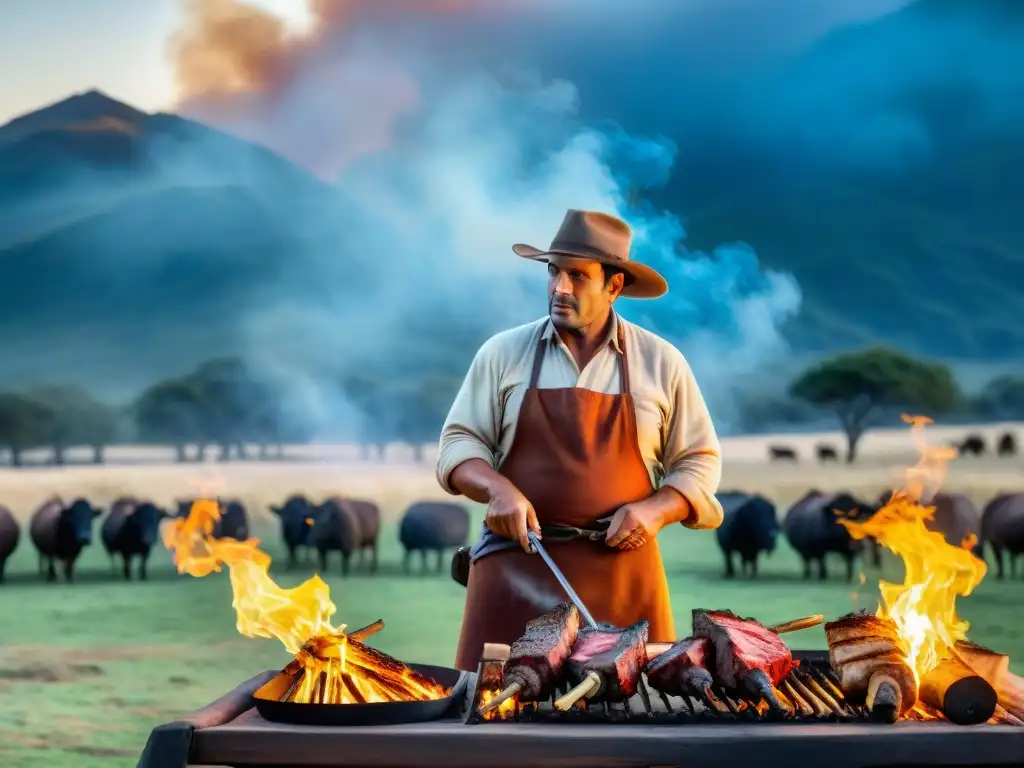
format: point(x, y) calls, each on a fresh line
point(115, 45)
point(51, 48)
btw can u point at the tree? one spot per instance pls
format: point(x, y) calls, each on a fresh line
point(858, 385)
point(24, 424)
point(78, 419)
point(170, 411)
point(1002, 398)
point(422, 409)
point(231, 399)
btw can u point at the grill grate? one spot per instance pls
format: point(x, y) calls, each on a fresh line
point(812, 689)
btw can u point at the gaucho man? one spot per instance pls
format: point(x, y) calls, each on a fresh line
point(587, 430)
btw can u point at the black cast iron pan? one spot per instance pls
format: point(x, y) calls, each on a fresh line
point(271, 708)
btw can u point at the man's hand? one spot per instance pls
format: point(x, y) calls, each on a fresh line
point(511, 515)
point(633, 525)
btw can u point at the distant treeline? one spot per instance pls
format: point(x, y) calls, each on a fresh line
point(223, 404)
point(227, 405)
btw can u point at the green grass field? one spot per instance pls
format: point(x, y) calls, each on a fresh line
point(86, 670)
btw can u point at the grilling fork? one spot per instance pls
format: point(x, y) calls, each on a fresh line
point(560, 577)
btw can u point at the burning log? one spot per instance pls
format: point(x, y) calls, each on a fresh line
point(963, 696)
point(606, 664)
point(336, 669)
point(987, 664)
point(536, 659)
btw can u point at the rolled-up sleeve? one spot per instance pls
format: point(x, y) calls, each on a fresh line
point(473, 425)
point(692, 455)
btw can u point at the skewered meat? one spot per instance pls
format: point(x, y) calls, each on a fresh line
point(859, 636)
point(610, 657)
point(745, 652)
point(682, 669)
point(868, 656)
point(536, 659)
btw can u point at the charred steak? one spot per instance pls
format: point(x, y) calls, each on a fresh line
point(745, 653)
point(616, 655)
point(682, 669)
point(536, 659)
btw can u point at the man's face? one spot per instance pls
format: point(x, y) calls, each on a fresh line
point(577, 293)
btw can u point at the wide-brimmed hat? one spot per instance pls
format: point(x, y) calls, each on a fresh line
point(603, 238)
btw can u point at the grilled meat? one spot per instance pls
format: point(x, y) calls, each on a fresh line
point(745, 652)
point(682, 669)
point(868, 656)
point(536, 659)
point(616, 655)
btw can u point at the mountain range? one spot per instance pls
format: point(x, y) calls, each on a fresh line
point(128, 239)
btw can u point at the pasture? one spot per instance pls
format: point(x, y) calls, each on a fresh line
point(87, 669)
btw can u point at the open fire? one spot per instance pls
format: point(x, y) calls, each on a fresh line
point(330, 665)
point(910, 661)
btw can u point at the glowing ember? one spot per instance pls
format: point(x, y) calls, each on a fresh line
point(923, 607)
point(505, 710)
point(329, 666)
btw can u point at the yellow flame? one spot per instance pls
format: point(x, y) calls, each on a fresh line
point(263, 608)
point(923, 607)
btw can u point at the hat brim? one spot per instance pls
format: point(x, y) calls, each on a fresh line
point(644, 282)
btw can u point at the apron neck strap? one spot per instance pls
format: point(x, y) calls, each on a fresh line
point(538, 361)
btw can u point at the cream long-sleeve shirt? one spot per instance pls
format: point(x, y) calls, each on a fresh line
point(676, 437)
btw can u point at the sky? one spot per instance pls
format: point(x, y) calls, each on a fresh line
point(119, 46)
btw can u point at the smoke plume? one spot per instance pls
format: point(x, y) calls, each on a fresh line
point(443, 155)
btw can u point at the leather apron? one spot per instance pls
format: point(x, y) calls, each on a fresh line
point(575, 456)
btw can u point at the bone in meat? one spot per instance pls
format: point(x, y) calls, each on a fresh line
point(682, 669)
point(859, 625)
point(866, 652)
point(612, 658)
point(536, 659)
point(745, 653)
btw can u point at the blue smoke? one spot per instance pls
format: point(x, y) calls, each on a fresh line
point(425, 270)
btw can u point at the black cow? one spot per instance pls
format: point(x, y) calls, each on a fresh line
point(130, 530)
point(336, 528)
point(956, 518)
point(812, 527)
point(432, 526)
point(749, 527)
point(1007, 445)
point(10, 535)
point(826, 453)
point(233, 522)
point(296, 516)
point(972, 445)
point(369, 528)
point(781, 453)
point(1002, 529)
point(61, 532)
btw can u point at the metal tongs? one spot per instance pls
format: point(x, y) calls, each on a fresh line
point(560, 577)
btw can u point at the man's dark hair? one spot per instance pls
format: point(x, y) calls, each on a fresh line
point(610, 272)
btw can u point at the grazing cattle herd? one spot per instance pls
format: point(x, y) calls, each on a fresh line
point(60, 530)
point(971, 445)
point(812, 528)
point(131, 528)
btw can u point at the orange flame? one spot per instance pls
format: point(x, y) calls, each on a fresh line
point(329, 666)
point(263, 608)
point(923, 607)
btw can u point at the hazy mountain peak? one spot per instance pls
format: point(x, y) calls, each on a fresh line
point(89, 108)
